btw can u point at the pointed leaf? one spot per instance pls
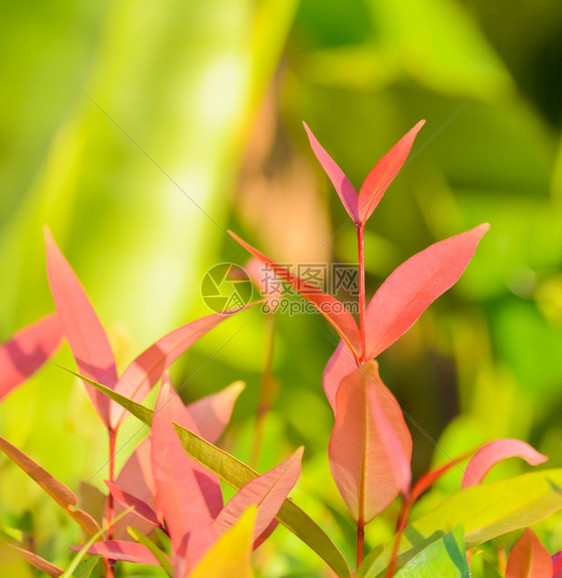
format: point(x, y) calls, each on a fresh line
point(163, 560)
point(40, 563)
point(370, 447)
point(529, 558)
point(484, 511)
point(332, 309)
point(27, 351)
point(86, 567)
point(141, 375)
point(230, 555)
point(62, 495)
point(212, 413)
point(237, 474)
point(268, 492)
point(141, 509)
point(414, 285)
point(383, 173)
point(339, 366)
point(494, 452)
point(122, 550)
point(343, 186)
point(84, 331)
point(445, 556)
point(180, 492)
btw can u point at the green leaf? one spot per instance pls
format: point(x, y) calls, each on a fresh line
point(237, 474)
point(446, 556)
point(485, 512)
point(84, 569)
point(156, 552)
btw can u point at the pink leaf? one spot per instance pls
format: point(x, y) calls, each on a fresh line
point(212, 413)
point(181, 485)
point(414, 285)
point(383, 173)
point(494, 452)
point(339, 366)
point(84, 331)
point(141, 509)
point(370, 447)
point(40, 563)
point(27, 351)
point(343, 186)
point(332, 309)
point(141, 375)
point(268, 492)
point(529, 558)
point(62, 495)
point(122, 550)
point(557, 565)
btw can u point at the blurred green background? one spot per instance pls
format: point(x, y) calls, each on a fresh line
point(139, 133)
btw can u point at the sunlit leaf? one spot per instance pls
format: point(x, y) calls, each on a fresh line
point(529, 558)
point(62, 495)
point(268, 492)
point(27, 351)
point(383, 173)
point(122, 550)
point(494, 452)
point(332, 309)
point(339, 366)
point(230, 555)
point(85, 334)
point(162, 558)
point(40, 563)
point(370, 447)
point(344, 188)
point(140, 508)
point(86, 567)
point(414, 285)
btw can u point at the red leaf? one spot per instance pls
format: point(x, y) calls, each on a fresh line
point(343, 186)
point(339, 366)
point(27, 351)
point(370, 447)
point(180, 485)
point(141, 375)
point(494, 452)
point(268, 492)
point(84, 331)
point(529, 558)
point(40, 563)
point(332, 309)
point(122, 550)
point(414, 285)
point(212, 413)
point(557, 565)
point(62, 495)
point(383, 173)
point(141, 508)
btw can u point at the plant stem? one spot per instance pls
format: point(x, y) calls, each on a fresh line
point(360, 228)
point(265, 395)
point(110, 501)
point(360, 541)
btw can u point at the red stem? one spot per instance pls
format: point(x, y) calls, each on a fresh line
point(360, 228)
point(110, 501)
point(360, 541)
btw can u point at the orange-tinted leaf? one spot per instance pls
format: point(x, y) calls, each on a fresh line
point(141, 509)
point(84, 331)
point(268, 492)
point(529, 558)
point(343, 186)
point(183, 487)
point(332, 309)
point(122, 550)
point(62, 495)
point(339, 366)
point(494, 452)
point(383, 173)
point(370, 447)
point(141, 375)
point(27, 351)
point(212, 413)
point(414, 285)
point(40, 563)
